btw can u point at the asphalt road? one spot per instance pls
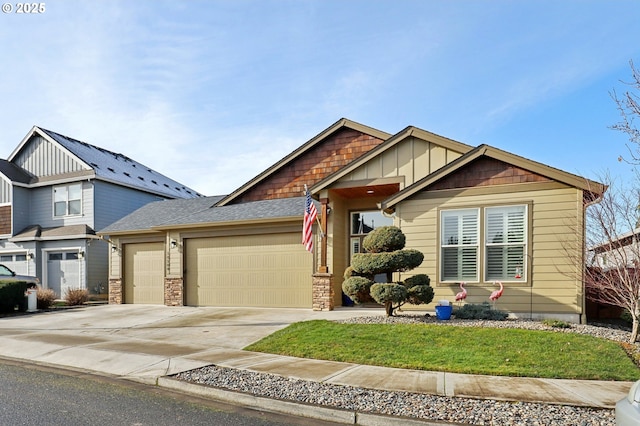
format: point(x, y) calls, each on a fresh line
point(38, 395)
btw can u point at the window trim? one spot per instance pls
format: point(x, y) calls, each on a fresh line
point(482, 246)
point(67, 200)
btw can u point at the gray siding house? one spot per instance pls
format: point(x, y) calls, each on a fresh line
point(54, 192)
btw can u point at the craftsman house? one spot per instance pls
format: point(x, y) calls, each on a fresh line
point(479, 214)
point(54, 192)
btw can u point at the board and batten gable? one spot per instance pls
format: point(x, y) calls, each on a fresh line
point(412, 159)
point(42, 158)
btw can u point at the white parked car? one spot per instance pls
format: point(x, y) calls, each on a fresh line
point(628, 409)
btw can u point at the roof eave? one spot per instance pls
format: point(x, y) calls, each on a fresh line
point(342, 123)
point(240, 222)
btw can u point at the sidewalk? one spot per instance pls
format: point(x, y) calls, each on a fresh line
point(146, 343)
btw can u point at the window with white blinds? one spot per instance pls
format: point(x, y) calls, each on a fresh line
point(459, 245)
point(502, 254)
point(505, 242)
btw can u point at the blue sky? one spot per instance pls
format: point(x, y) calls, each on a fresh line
point(211, 93)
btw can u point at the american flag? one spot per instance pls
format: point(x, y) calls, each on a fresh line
point(310, 215)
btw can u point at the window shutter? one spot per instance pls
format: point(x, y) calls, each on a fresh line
point(505, 242)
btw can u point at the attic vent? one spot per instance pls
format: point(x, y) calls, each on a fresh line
point(111, 169)
point(177, 188)
point(127, 174)
point(188, 192)
point(166, 185)
point(154, 182)
point(133, 165)
point(141, 178)
point(95, 165)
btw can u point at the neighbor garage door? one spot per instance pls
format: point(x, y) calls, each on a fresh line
point(272, 270)
point(144, 273)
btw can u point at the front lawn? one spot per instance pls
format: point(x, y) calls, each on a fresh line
point(470, 350)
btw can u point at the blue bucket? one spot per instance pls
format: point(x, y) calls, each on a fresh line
point(444, 312)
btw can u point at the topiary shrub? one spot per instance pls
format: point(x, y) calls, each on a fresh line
point(357, 288)
point(386, 255)
point(388, 294)
point(419, 289)
point(384, 239)
point(482, 311)
point(76, 296)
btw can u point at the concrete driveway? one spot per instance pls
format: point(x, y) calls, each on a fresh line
point(143, 342)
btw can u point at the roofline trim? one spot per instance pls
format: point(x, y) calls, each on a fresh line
point(342, 123)
point(243, 222)
point(498, 154)
point(38, 130)
point(389, 143)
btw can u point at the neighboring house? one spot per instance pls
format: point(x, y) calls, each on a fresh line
point(623, 250)
point(479, 214)
point(55, 191)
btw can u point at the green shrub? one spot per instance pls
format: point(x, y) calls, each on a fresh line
point(419, 294)
point(384, 239)
point(45, 297)
point(387, 294)
point(555, 323)
point(76, 296)
point(626, 316)
point(378, 263)
point(12, 296)
point(483, 311)
point(357, 288)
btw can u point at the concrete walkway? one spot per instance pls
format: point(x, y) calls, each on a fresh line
point(145, 343)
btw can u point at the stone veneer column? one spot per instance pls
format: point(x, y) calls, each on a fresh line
point(322, 292)
point(115, 291)
point(173, 295)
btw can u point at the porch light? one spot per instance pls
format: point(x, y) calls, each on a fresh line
point(173, 243)
point(30, 256)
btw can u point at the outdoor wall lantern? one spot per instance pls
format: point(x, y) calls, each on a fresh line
point(30, 256)
point(173, 243)
point(81, 254)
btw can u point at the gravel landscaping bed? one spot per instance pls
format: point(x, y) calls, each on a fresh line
point(432, 407)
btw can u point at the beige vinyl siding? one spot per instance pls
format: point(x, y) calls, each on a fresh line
point(555, 213)
point(413, 159)
point(270, 270)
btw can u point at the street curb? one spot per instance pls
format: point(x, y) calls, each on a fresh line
point(293, 408)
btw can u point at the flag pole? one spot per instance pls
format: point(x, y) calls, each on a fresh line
point(317, 219)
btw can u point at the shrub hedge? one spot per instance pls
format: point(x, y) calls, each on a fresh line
point(12, 296)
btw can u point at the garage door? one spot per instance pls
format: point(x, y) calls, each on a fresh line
point(144, 273)
point(271, 270)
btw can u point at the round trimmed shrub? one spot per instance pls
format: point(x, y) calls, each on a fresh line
point(378, 263)
point(384, 293)
point(420, 279)
point(357, 288)
point(419, 294)
point(384, 239)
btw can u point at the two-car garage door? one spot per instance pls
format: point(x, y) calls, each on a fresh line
point(271, 270)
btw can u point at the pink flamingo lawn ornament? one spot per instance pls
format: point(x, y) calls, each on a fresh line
point(496, 294)
point(462, 294)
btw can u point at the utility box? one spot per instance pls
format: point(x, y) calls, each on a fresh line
point(32, 300)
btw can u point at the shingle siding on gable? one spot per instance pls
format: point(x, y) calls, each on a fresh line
point(312, 166)
point(42, 158)
point(5, 220)
point(486, 172)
